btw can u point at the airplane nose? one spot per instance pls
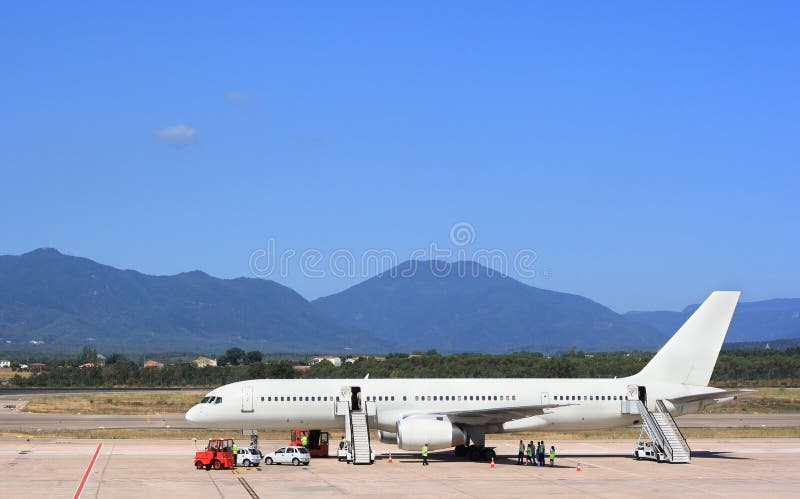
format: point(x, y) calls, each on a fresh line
point(194, 414)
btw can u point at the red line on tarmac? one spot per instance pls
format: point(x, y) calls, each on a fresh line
point(88, 470)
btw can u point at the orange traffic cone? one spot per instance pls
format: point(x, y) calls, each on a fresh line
point(390, 458)
point(492, 465)
point(579, 466)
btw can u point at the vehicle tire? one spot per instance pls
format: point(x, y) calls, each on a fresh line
point(247, 463)
point(296, 462)
point(217, 465)
point(268, 460)
point(199, 465)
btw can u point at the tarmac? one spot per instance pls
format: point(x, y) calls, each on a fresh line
point(163, 468)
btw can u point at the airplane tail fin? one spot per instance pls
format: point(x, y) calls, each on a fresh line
point(689, 356)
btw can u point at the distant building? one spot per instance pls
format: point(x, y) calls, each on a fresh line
point(336, 361)
point(23, 366)
point(301, 368)
point(89, 364)
point(351, 360)
point(38, 365)
point(204, 362)
point(153, 363)
point(101, 359)
point(5, 363)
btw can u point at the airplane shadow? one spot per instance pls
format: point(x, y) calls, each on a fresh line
point(707, 454)
point(506, 460)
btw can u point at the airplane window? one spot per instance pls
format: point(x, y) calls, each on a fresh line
point(392, 398)
point(434, 397)
point(337, 398)
point(416, 397)
point(380, 398)
point(262, 399)
point(429, 398)
point(218, 401)
point(459, 398)
point(591, 397)
point(573, 397)
point(483, 397)
point(326, 398)
point(513, 397)
point(495, 397)
point(306, 399)
point(294, 399)
point(404, 398)
point(205, 399)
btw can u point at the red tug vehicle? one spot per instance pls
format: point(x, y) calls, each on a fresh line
point(317, 441)
point(218, 454)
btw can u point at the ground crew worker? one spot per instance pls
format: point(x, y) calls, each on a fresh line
point(304, 440)
point(343, 443)
point(235, 449)
point(541, 453)
point(552, 455)
point(530, 453)
point(425, 455)
point(521, 452)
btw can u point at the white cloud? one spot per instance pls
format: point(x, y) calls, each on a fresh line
point(177, 134)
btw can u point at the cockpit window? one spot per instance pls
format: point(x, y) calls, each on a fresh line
point(205, 399)
point(218, 401)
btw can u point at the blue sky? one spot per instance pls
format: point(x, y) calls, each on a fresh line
point(647, 153)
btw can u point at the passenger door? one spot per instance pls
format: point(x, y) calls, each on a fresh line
point(247, 399)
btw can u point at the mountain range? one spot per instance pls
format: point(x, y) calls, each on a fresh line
point(66, 302)
point(63, 302)
point(464, 306)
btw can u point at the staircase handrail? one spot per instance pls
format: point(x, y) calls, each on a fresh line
point(662, 408)
point(654, 430)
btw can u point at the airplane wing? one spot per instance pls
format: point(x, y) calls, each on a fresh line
point(723, 394)
point(497, 415)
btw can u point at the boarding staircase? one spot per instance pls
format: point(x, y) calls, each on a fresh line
point(660, 426)
point(359, 428)
point(357, 433)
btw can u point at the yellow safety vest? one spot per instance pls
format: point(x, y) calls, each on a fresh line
point(424, 451)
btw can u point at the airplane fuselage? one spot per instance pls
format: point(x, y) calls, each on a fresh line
point(272, 404)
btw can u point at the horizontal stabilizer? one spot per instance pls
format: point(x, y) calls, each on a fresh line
point(722, 394)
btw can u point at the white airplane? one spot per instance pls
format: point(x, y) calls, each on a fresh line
point(447, 413)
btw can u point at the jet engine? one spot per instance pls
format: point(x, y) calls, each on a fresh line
point(387, 437)
point(437, 431)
